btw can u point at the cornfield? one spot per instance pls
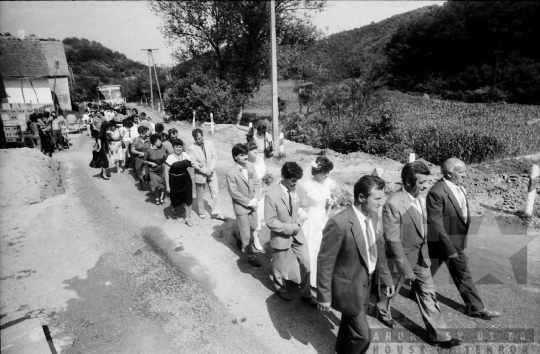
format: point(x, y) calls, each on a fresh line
point(437, 130)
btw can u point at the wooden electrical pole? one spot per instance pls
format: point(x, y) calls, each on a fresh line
point(157, 81)
point(275, 111)
point(150, 75)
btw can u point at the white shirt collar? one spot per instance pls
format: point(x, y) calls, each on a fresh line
point(361, 217)
point(285, 188)
point(455, 188)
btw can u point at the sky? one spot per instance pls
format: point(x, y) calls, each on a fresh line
point(129, 26)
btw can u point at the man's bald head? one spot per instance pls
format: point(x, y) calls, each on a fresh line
point(454, 170)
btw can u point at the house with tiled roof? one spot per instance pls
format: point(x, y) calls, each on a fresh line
point(34, 71)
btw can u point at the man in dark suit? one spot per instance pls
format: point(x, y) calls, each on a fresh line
point(449, 220)
point(405, 233)
point(244, 188)
point(284, 218)
point(351, 261)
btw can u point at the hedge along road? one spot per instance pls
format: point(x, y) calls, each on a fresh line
point(158, 286)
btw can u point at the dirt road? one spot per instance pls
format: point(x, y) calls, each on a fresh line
point(111, 272)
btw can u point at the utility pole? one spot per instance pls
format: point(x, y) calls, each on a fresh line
point(150, 75)
point(157, 81)
point(275, 111)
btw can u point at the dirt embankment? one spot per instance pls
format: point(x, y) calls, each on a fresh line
point(27, 177)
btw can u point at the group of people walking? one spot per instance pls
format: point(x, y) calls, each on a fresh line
point(344, 259)
point(48, 131)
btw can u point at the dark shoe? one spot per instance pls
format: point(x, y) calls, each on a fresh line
point(390, 324)
point(284, 295)
point(310, 301)
point(447, 344)
point(486, 314)
point(254, 261)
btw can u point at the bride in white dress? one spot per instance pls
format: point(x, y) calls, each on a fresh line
point(316, 193)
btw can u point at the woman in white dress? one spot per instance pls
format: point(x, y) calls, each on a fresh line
point(316, 194)
point(260, 170)
point(117, 146)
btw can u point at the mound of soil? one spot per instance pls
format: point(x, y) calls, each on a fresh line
point(27, 177)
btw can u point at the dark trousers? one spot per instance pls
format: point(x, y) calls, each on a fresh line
point(459, 271)
point(354, 334)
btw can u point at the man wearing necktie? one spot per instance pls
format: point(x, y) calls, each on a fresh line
point(204, 161)
point(284, 218)
point(352, 262)
point(405, 231)
point(448, 226)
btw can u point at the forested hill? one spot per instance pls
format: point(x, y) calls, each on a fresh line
point(472, 51)
point(94, 64)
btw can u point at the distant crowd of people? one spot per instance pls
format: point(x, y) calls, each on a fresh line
point(48, 132)
point(343, 259)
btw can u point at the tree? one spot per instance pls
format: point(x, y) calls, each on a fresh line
point(231, 38)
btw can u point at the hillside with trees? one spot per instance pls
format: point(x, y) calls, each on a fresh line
point(94, 64)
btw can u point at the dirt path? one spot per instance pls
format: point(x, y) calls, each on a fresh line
point(114, 273)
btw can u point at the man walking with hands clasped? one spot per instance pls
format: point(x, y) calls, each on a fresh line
point(204, 160)
point(449, 219)
point(351, 262)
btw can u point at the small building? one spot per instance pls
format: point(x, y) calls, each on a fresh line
point(31, 70)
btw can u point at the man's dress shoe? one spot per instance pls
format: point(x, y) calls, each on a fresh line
point(254, 261)
point(486, 314)
point(284, 295)
point(310, 301)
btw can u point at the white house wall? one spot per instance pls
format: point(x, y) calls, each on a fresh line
point(37, 92)
point(62, 92)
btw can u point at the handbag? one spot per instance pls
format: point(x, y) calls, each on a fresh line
point(268, 150)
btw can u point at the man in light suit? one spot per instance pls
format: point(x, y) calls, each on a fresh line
point(204, 160)
point(244, 187)
point(449, 219)
point(284, 218)
point(405, 233)
point(351, 261)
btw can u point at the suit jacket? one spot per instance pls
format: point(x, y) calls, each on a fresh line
point(447, 227)
point(242, 191)
point(278, 219)
point(342, 272)
point(405, 233)
point(203, 163)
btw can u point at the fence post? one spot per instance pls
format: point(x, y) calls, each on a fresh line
point(281, 144)
point(212, 123)
point(193, 119)
point(533, 181)
point(412, 157)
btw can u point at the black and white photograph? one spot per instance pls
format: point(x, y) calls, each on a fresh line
point(270, 177)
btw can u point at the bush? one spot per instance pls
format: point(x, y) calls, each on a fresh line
point(203, 94)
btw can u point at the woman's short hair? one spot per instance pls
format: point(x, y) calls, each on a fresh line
point(261, 126)
point(134, 110)
point(141, 129)
point(46, 114)
point(177, 142)
point(409, 171)
point(171, 131)
point(291, 170)
point(159, 128)
point(252, 146)
point(154, 138)
point(365, 184)
point(239, 149)
point(33, 117)
point(324, 165)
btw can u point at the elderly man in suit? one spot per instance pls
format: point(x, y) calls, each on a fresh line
point(204, 160)
point(405, 233)
point(284, 218)
point(449, 220)
point(351, 261)
point(244, 187)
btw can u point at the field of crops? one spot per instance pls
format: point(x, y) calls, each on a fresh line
point(435, 129)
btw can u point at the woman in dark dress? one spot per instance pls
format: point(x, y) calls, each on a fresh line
point(155, 158)
point(139, 145)
point(177, 179)
point(102, 151)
